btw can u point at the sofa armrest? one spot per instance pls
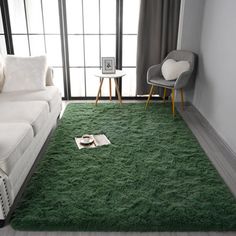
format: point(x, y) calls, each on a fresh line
point(153, 71)
point(183, 79)
point(5, 195)
point(49, 77)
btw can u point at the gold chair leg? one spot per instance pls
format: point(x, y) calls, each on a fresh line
point(173, 102)
point(182, 99)
point(149, 97)
point(164, 96)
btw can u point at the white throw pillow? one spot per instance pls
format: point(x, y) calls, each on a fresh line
point(172, 69)
point(24, 73)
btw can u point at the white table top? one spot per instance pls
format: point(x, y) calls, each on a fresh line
point(119, 73)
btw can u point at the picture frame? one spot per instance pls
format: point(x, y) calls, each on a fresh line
point(108, 65)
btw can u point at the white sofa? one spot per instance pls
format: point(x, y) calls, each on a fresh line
point(26, 120)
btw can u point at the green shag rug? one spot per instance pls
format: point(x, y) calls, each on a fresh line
point(153, 177)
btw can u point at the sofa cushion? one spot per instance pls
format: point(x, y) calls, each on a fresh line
point(14, 140)
point(34, 113)
point(159, 81)
point(51, 95)
point(24, 73)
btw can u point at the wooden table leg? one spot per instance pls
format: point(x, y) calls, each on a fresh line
point(99, 91)
point(110, 88)
point(100, 94)
point(117, 90)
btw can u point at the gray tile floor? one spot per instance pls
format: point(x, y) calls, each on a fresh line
point(219, 154)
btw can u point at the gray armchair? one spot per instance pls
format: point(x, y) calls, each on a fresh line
point(155, 78)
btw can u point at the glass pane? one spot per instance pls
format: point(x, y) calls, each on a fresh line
point(91, 16)
point(129, 50)
point(108, 45)
point(17, 16)
point(58, 79)
point(37, 45)
point(92, 82)
point(129, 82)
point(92, 50)
point(1, 25)
point(53, 43)
point(77, 82)
point(130, 16)
point(108, 16)
point(3, 49)
point(34, 16)
point(74, 16)
point(20, 43)
point(51, 16)
point(76, 51)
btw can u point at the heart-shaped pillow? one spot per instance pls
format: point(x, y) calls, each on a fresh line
point(172, 69)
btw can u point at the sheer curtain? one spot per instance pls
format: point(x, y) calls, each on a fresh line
point(157, 35)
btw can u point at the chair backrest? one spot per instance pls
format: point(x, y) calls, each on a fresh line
point(183, 55)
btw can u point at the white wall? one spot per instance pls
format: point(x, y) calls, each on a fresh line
point(191, 24)
point(190, 29)
point(215, 86)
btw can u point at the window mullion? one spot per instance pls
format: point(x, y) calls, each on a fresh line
point(43, 22)
point(64, 48)
point(85, 86)
point(7, 26)
point(27, 27)
point(100, 53)
point(119, 31)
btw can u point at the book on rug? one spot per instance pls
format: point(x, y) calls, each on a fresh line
point(98, 140)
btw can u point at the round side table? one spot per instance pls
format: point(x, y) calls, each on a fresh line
point(118, 74)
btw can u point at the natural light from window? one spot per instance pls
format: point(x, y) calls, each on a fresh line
point(91, 34)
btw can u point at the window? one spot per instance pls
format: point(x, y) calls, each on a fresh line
point(90, 38)
point(130, 32)
point(2, 38)
point(87, 33)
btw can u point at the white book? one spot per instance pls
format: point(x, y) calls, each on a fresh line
point(99, 140)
